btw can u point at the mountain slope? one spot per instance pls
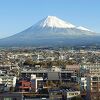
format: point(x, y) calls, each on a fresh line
point(52, 31)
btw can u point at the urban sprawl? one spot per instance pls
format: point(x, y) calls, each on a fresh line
point(50, 74)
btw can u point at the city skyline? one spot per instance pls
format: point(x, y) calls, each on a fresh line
point(19, 15)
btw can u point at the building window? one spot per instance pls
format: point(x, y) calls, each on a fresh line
point(95, 78)
point(94, 83)
point(71, 94)
point(76, 93)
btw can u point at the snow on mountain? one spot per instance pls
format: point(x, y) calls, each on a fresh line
point(54, 22)
point(83, 28)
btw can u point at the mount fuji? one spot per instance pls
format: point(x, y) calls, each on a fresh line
point(52, 31)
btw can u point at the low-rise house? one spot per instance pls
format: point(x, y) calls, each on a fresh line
point(63, 94)
point(23, 86)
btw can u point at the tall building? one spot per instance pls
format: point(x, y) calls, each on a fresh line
point(91, 74)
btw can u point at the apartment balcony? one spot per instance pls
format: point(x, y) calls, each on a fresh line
point(94, 89)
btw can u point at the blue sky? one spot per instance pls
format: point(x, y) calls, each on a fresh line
point(17, 15)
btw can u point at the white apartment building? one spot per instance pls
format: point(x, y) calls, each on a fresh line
point(10, 81)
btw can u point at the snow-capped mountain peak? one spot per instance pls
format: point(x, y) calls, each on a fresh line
point(52, 21)
point(52, 31)
point(84, 29)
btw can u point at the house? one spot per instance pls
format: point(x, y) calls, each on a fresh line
point(23, 86)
